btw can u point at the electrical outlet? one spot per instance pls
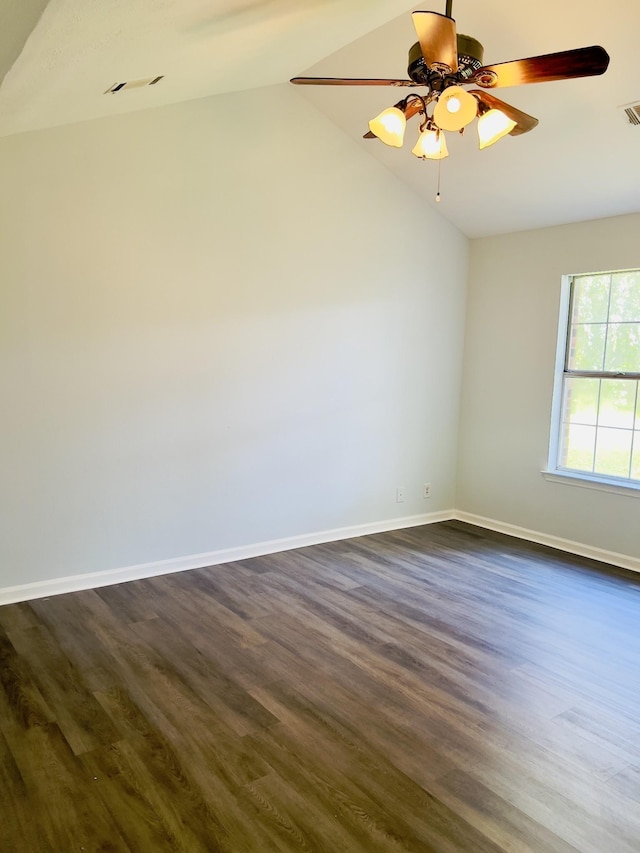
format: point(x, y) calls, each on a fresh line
point(426, 490)
point(400, 492)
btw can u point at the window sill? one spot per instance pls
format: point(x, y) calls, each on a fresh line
point(573, 478)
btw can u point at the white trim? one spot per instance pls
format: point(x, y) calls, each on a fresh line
point(579, 548)
point(561, 374)
point(93, 580)
point(558, 375)
point(587, 481)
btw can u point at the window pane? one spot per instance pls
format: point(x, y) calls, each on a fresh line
point(600, 418)
point(586, 347)
point(635, 462)
point(625, 297)
point(623, 347)
point(613, 452)
point(581, 401)
point(617, 403)
point(578, 447)
point(590, 299)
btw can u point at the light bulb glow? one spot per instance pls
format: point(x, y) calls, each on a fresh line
point(492, 126)
point(389, 126)
point(431, 145)
point(455, 109)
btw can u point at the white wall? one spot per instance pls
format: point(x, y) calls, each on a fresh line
point(220, 323)
point(512, 321)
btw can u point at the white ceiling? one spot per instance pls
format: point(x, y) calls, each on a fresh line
point(581, 162)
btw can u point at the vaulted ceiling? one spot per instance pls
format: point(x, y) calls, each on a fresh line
point(57, 59)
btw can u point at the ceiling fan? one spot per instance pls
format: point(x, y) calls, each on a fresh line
point(444, 62)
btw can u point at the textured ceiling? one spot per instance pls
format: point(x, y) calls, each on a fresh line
point(581, 162)
point(78, 49)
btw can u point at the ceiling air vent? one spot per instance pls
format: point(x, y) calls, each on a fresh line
point(133, 84)
point(633, 112)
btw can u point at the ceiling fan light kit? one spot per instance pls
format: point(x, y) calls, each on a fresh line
point(455, 109)
point(431, 145)
point(443, 62)
point(389, 126)
point(492, 126)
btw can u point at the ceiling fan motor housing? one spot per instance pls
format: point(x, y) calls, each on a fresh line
point(470, 58)
point(470, 55)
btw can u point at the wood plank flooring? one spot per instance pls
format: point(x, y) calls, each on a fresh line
point(440, 689)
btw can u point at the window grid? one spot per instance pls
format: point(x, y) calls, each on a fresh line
point(598, 427)
point(599, 444)
point(606, 336)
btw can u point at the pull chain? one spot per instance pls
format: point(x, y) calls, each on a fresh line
point(438, 193)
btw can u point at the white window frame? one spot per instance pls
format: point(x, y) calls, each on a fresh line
point(554, 471)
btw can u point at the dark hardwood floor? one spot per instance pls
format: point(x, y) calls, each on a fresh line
point(436, 689)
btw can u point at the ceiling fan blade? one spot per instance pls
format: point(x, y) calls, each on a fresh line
point(437, 37)
point(524, 122)
point(346, 81)
point(581, 62)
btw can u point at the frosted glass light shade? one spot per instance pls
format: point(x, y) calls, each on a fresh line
point(455, 109)
point(389, 126)
point(492, 126)
point(431, 145)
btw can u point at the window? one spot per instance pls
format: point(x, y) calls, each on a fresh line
point(596, 424)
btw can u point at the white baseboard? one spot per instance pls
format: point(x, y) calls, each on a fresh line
point(612, 557)
point(93, 580)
